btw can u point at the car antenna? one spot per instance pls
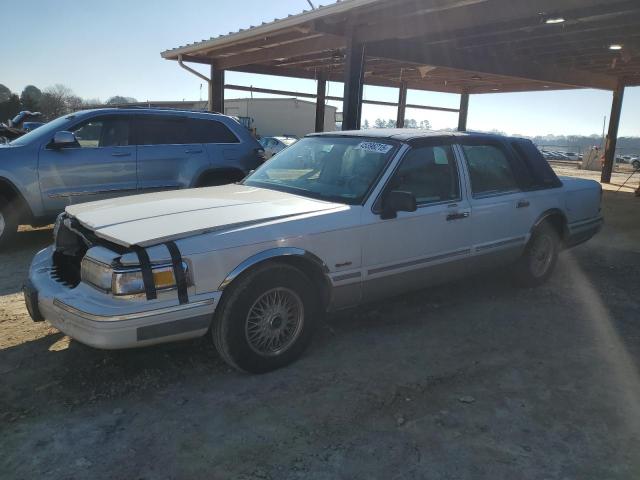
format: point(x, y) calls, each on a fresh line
point(311, 5)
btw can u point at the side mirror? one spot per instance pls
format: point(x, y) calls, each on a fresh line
point(397, 201)
point(63, 139)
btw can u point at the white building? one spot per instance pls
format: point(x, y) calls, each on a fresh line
point(279, 116)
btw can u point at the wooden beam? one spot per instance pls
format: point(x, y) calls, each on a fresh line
point(612, 136)
point(320, 102)
point(402, 105)
point(497, 64)
point(306, 46)
point(464, 110)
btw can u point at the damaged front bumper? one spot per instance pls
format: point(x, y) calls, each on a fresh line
point(104, 321)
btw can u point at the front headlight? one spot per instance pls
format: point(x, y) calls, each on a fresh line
point(127, 281)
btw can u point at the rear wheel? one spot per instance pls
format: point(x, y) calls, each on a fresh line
point(267, 319)
point(8, 221)
point(539, 258)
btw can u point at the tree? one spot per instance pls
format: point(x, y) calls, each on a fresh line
point(10, 107)
point(30, 98)
point(366, 124)
point(57, 101)
point(119, 100)
point(425, 125)
point(5, 93)
point(379, 123)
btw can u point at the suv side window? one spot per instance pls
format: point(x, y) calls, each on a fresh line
point(154, 130)
point(489, 170)
point(430, 173)
point(209, 131)
point(103, 132)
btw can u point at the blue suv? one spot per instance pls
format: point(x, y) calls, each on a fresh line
point(98, 154)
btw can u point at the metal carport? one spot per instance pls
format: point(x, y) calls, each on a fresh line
point(456, 46)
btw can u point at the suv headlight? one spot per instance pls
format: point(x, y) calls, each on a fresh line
point(127, 281)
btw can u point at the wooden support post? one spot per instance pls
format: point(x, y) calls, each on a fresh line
point(464, 110)
point(612, 136)
point(320, 102)
point(402, 105)
point(353, 85)
point(216, 91)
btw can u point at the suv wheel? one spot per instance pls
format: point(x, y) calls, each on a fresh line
point(8, 221)
point(267, 320)
point(539, 258)
point(636, 164)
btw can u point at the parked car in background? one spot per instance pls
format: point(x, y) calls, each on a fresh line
point(105, 153)
point(273, 145)
point(332, 221)
point(28, 126)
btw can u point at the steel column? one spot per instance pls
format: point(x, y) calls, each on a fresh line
point(464, 110)
point(216, 91)
point(402, 105)
point(612, 136)
point(320, 102)
point(353, 85)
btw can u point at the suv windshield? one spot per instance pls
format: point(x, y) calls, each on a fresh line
point(341, 169)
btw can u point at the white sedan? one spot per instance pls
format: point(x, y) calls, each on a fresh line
point(333, 221)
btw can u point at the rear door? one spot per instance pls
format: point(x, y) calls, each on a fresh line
point(101, 165)
point(501, 216)
point(168, 154)
point(223, 147)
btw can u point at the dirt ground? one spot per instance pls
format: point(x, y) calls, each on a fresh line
point(472, 380)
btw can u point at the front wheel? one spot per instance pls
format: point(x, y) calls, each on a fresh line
point(539, 258)
point(267, 319)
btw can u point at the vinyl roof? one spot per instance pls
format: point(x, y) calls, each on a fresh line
point(475, 46)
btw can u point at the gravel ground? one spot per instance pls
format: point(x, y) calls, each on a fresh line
point(476, 379)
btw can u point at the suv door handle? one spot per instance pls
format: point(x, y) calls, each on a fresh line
point(523, 204)
point(457, 216)
point(193, 151)
point(121, 154)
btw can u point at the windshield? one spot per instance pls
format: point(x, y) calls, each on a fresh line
point(48, 129)
point(340, 169)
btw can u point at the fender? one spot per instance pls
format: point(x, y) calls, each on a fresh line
point(24, 197)
point(549, 213)
point(272, 254)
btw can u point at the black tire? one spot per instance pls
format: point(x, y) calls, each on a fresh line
point(636, 164)
point(231, 325)
point(540, 256)
point(8, 221)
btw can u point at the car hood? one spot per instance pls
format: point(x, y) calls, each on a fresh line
point(154, 218)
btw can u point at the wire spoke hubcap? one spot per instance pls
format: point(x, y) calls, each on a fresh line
point(274, 321)
point(541, 255)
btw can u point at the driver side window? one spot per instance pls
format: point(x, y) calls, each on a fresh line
point(103, 132)
point(430, 174)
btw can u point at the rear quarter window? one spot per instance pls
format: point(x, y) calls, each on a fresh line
point(209, 131)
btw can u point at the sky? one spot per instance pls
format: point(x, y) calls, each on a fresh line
point(100, 49)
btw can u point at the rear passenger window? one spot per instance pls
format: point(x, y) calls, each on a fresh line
point(161, 131)
point(430, 174)
point(489, 170)
point(209, 131)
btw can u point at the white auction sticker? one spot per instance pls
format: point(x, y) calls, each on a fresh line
point(375, 147)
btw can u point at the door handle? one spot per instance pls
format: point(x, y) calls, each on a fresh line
point(193, 151)
point(523, 204)
point(457, 216)
point(121, 154)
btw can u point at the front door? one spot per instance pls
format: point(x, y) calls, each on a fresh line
point(429, 245)
point(101, 165)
